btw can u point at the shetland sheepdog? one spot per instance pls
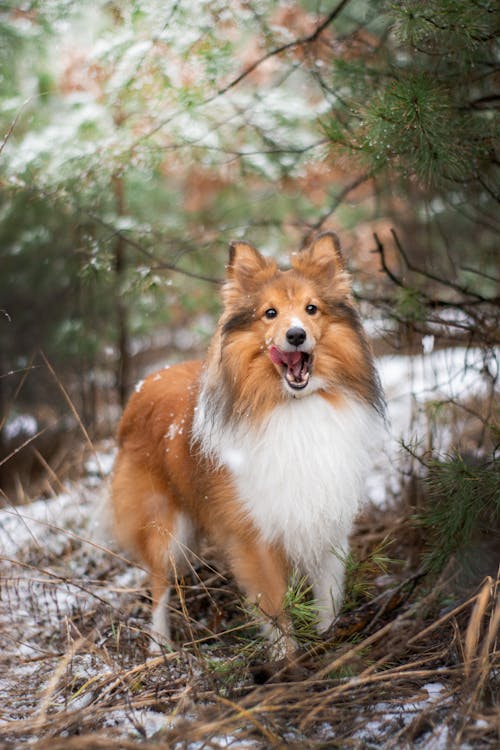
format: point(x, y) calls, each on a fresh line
point(263, 447)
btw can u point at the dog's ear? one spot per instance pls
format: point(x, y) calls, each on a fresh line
point(322, 260)
point(247, 267)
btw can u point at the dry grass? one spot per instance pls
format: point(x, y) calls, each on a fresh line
point(405, 665)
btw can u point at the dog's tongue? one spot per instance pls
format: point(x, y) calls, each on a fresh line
point(292, 360)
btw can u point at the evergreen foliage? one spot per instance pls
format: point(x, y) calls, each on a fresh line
point(140, 138)
point(463, 501)
point(121, 161)
point(415, 104)
point(302, 609)
point(421, 103)
point(137, 130)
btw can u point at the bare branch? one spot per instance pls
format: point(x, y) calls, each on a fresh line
point(13, 124)
point(336, 203)
point(433, 277)
point(300, 42)
point(159, 264)
point(380, 250)
point(431, 301)
point(488, 276)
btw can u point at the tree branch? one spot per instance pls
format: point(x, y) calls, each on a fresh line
point(445, 282)
point(289, 45)
point(336, 203)
point(159, 265)
point(477, 324)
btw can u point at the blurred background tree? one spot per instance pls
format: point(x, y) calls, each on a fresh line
point(140, 138)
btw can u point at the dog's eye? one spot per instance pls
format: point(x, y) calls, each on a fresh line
point(311, 309)
point(270, 313)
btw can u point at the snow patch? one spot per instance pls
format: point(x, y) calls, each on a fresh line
point(24, 425)
point(411, 384)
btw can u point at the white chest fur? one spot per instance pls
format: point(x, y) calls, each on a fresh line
point(299, 476)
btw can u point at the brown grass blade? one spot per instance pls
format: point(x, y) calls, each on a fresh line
point(473, 634)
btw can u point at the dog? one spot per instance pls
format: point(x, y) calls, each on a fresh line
point(263, 447)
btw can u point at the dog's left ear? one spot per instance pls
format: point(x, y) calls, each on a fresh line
point(323, 259)
point(247, 267)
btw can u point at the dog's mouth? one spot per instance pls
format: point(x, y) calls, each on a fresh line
point(295, 366)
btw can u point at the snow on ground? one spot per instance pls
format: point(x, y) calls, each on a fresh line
point(57, 576)
point(54, 573)
point(415, 386)
point(391, 717)
point(440, 375)
point(29, 525)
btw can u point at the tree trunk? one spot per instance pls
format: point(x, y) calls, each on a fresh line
point(121, 312)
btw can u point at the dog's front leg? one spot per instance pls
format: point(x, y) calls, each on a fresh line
point(328, 584)
point(261, 572)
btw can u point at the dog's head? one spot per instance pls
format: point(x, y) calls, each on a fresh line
point(292, 326)
point(288, 334)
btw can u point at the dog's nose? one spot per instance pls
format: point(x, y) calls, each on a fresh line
point(296, 336)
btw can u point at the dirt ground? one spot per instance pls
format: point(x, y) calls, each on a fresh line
point(410, 663)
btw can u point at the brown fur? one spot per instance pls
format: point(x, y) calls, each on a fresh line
point(152, 486)
point(160, 474)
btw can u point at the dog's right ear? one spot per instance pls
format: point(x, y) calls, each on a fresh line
point(247, 267)
point(323, 259)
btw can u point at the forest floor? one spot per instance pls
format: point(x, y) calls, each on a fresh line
point(412, 662)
